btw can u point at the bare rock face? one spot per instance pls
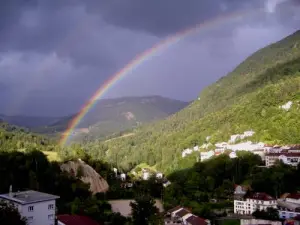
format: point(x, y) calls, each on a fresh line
point(87, 175)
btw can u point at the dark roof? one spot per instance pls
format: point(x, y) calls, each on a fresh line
point(288, 154)
point(297, 218)
point(76, 220)
point(260, 196)
point(195, 220)
point(294, 196)
point(182, 212)
point(28, 197)
point(174, 209)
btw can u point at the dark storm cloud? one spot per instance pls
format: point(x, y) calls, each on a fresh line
point(164, 17)
point(54, 54)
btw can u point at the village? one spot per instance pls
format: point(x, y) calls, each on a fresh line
point(288, 154)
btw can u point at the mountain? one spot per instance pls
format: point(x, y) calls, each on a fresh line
point(111, 117)
point(249, 98)
point(28, 121)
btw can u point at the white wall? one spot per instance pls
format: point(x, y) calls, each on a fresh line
point(40, 213)
point(287, 214)
point(292, 200)
point(250, 205)
point(255, 221)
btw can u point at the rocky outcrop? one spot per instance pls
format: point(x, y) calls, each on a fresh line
point(87, 174)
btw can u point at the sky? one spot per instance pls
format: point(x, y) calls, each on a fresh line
point(55, 54)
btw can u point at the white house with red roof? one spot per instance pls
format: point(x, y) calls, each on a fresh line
point(253, 202)
point(181, 215)
point(75, 220)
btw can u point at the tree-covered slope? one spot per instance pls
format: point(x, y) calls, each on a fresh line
point(248, 98)
point(13, 138)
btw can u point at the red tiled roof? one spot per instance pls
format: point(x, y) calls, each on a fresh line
point(288, 154)
point(76, 220)
point(261, 196)
point(195, 220)
point(294, 196)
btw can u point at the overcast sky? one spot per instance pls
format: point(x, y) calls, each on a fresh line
point(54, 54)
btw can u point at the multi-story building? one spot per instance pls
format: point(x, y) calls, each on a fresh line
point(253, 202)
point(37, 207)
point(289, 158)
point(289, 206)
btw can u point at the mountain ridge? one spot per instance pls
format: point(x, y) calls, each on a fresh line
point(112, 116)
point(248, 98)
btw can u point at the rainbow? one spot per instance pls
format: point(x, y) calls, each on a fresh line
point(141, 58)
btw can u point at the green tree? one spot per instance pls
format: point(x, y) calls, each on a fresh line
point(10, 215)
point(144, 211)
point(269, 214)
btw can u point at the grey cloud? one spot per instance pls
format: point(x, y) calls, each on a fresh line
point(163, 17)
point(55, 54)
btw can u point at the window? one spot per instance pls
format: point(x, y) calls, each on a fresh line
point(30, 208)
point(50, 217)
point(51, 206)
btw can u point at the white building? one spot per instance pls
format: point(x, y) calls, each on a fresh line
point(260, 201)
point(206, 155)
point(37, 207)
point(232, 155)
point(159, 175)
point(186, 152)
point(146, 175)
point(196, 148)
point(180, 215)
point(289, 158)
point(123, 176)
point(289, 206)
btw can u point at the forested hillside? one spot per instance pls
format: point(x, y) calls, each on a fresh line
point(248, 98)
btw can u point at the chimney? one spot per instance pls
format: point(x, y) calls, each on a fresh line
point(10, 191)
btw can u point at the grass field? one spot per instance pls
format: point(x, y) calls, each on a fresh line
point(51, 156)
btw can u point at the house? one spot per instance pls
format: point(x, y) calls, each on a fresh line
point(181, 215)
point(37, 207)
point(159, 175)
point(146, 174)
point(289, 158)
point(232, 155)
point(293, 198)
point(195, 220)
point(239, 191)
point(186, 152)
point(289, 206)
point(253, 202)
point(249, 133)
point(206, 155)
point(166, 183)
point(123, 176)
point(259, 222)
point(234, 138)
point(75, 220)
